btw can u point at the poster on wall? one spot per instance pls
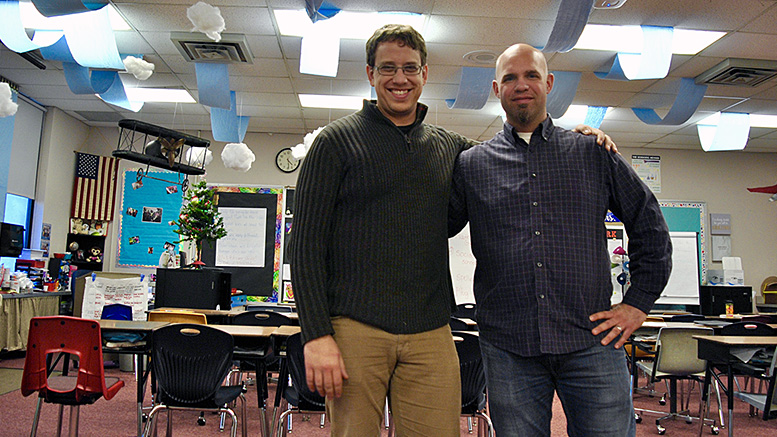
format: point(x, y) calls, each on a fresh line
point(147, 209)
point(648, 167)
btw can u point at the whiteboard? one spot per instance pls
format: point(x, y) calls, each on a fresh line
point(683, 285)
point(244, 244)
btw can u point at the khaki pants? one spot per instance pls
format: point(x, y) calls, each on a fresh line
point(422, 371)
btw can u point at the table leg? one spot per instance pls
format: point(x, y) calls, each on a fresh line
point(140, 390)
point(283, 381)
point(730, 393)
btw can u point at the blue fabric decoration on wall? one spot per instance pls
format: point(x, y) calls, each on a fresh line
point(6, 144)
point(213, 84)
point(564, 90)
point(145, 229)
point(474, 88)
point(226, 125)
point(51, 8)
point(685, 104)
point(571, 19)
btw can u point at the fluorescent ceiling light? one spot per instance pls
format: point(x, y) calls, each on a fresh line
point(628, 39)
point(158, 95)
point(756, 120)
point(331, 102)
point(32, 19)
point(349, 25)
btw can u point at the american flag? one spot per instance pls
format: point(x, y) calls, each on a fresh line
point(94, 191)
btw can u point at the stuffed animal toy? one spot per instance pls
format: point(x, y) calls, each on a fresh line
point(95, 255)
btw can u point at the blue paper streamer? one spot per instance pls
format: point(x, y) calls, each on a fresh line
point(213, 84)
point(685, 104)
point(595, 116)
point(52, 8)
point(571, 19)
point(115, 95)
point(564, 90)
point(12, 32)
point(652, 63)
point(226, 125)
point(89, 37)
point(474, 88)
point(92, 43)
point(320, 10)
point(59, 51)
point(731, 132)
point(80, 81)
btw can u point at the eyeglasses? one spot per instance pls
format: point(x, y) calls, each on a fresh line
point(390, 70)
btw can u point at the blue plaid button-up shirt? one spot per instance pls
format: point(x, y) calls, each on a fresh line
point(536, 214)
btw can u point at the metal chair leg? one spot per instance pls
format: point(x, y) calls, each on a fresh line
point(74, 413)
point(36, 419)
point(59, 420)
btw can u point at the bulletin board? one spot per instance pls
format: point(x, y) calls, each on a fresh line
point(689, 217)
point(251, 249)
point(147, 209)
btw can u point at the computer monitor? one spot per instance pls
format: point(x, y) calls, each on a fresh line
point(11, 239)
point(713, 299)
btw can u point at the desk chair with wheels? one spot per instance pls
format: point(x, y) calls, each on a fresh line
point(61, 335)
point(298, 396)
point(675, 361)
point(190, 362)
point(761, 367)
point(258, 359)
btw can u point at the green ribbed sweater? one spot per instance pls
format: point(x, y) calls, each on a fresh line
point(369, 239)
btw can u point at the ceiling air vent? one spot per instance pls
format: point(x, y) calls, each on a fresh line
point(739, 72)
point(196, 47)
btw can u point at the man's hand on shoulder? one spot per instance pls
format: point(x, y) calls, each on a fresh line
point(602, 138)
point(324, 366)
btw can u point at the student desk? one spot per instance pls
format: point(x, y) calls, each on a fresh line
point(138, 350)
point(224, 317)
point(717, 350)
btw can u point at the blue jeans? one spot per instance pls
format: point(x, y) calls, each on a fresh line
point(593, 385)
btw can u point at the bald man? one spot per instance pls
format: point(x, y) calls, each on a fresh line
point(536, 196)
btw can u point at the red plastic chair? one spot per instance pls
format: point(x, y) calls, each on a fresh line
point(55, 337)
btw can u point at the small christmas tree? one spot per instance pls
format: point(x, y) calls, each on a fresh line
point(199, 219)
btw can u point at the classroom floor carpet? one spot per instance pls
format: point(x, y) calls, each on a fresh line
point(116, 417)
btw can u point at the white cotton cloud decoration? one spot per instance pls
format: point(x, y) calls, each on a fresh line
point(206, 19)
point(139, 68)
point(7, 106)
point(300, 150)
point(198, 156)
point(237, 156)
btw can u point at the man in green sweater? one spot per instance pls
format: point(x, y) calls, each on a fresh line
point(370, 255)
